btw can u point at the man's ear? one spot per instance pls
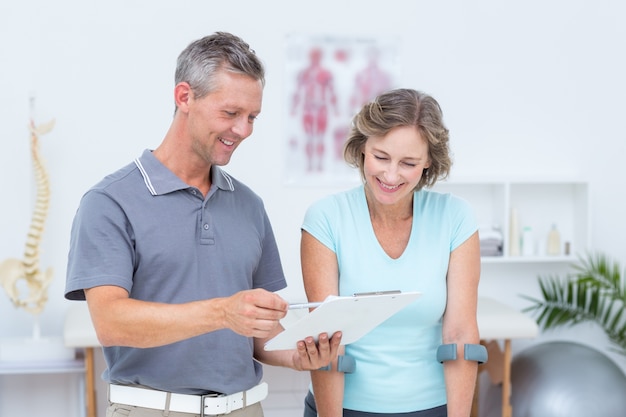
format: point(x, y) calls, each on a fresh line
point(182, 96)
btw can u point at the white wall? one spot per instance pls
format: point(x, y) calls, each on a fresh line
point(532, 89)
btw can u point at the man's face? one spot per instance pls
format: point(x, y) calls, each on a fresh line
point(221, 120)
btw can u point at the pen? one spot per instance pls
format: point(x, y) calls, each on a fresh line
point(304, 305)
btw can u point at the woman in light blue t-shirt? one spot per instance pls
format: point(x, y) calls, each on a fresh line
point(392, 233)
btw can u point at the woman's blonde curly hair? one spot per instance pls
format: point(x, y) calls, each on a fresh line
point(398, 108)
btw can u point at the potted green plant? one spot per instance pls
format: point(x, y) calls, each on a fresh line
point(594, 291)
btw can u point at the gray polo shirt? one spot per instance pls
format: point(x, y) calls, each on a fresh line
point(145, 230)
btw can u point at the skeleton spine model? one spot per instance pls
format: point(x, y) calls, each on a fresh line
point(12, 270)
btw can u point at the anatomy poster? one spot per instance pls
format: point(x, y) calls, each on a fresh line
point(328, 79)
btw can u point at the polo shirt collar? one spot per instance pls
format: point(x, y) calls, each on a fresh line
point(160, 180)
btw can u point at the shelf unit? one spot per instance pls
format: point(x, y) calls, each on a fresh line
point(41, 367)
point(539, 204)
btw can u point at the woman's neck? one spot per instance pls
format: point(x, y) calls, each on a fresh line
point(389, 213)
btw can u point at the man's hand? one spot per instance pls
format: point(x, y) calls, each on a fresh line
point(253, 313)
point(310, 356)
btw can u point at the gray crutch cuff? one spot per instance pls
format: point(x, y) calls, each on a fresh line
point(472, 352)
point(345, 364)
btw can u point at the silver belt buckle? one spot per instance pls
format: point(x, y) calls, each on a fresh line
point(203, 407)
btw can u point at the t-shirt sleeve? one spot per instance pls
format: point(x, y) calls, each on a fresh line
point(101, 247)
point(317, 222)
point(463, 220)
point(269, 274)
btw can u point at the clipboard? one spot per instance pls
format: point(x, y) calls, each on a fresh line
point(354, 316)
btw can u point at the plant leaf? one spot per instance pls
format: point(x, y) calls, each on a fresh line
point(594, 292)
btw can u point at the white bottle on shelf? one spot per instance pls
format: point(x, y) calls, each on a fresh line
point(528, 244)
point(514, 237)
point(554, 241)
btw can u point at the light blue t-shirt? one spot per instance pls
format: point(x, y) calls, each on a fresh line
point(396, 366)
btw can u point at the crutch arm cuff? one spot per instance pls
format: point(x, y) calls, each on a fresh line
point(471, 352)
point(475, 352)
point(446, 352)
point(345, 364)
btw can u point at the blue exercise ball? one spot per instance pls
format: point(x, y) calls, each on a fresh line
point(561, 379)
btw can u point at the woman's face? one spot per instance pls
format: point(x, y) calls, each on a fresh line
point(394, 163)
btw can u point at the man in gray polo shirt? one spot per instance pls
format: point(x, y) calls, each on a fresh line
point(177, 259)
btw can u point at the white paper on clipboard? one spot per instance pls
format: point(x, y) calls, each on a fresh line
point(354, 316)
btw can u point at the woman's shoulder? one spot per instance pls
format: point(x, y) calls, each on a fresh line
point(338, 204)
point(436, 203)
point(341, 199)
point(439, 197)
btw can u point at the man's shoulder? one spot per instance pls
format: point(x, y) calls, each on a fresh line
point(226, 181)
point(116, 178)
